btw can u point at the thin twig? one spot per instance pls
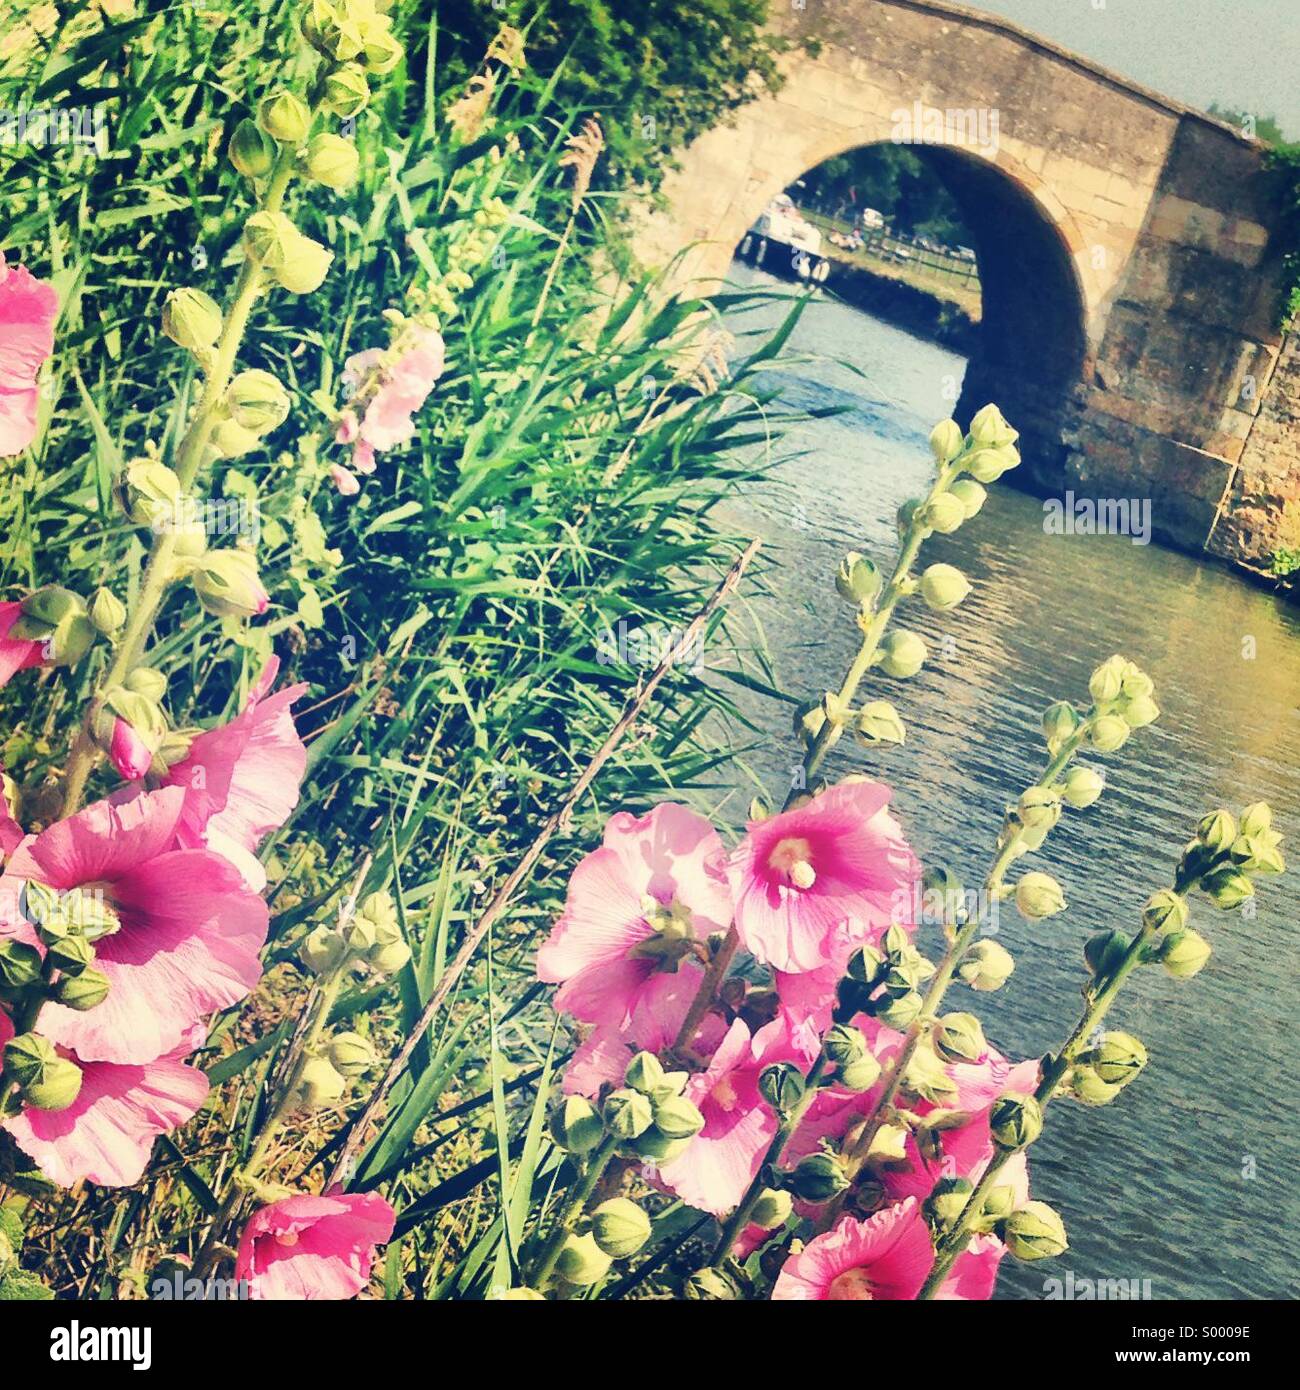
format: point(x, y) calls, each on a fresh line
point(557, 821)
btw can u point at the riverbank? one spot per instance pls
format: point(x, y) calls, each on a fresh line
point(917, 309)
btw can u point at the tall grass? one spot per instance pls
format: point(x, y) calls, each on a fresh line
point(567, 476)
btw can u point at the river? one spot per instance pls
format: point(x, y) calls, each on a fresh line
point(1188, 1180)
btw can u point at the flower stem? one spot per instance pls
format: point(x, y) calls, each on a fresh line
point(739, 1218)
point(576, 1205)
point(956, 1239)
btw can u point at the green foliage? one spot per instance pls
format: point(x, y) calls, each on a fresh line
point(1283, 164)
point(658, 72)
point(895, 181)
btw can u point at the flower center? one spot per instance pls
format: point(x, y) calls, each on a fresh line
point(671, 925)
point(723, 1095)
point(793, 857)
point(853, 1285)
point(287, 1238)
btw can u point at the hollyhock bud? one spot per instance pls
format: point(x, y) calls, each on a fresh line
point(257, 402)
point(675, 1117)
point(782, 1086)
point(620, 1227)
point(1227, 888)
point(710, 1286)
point(20, 964)
point(191, 319)
point(1183, 953)
point(958, 1037)
point(323, 950)
point(1038, 895)
point(227, 584)
point(269, 237)
point(1107, 682)
point(1256, 819)
point(388, 957)
point(1108, 732)
point(865, 965)
point(819, 1178)
point(41, 904)
point(1117, 1058)
point(843, 1044)
point(333, 161)
point(1035, 1232)
point(927, 1077)
point(888, 1147)
point(146, 682)
point(1165, 911)
point(1258, 853)
point(1217, 831)
point(305, 265)
point(350, 1054)
point(861, 1075)
point(1103, 952)
point(656, 1147)
point(1040, 807)
point(347, 91)
point(1015, 1121)
point(27, 1056)
point(772, 1209)
point(986, 966)
point(284, 117)
point(1084, 1085)
point(576, 1126)
point(84, 991)
point(581, 1261)
point(251, 150)
point(1059, 722)
point(319, 1084)
point(970, 494)
point(943, 587)
point(107, 612)
point(57, 618)
point(1083, 786)
point(878, 722)
point(989, 429)
point(1138, 711)
point(946, 1202)
point(150, 492)
point(72, 955)
point(645, 1073)
point(946, 441)
point(857, 580)
point(902, 654)
point(57, 1088)
point(382, 51)
point(628, 1113)
point(231, 440)
point(899, 1012)
point(987, 465)
point(943, 513)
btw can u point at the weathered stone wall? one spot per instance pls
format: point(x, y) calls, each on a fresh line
point(1122, 242)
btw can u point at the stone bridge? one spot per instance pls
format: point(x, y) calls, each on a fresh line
point(1130, 290)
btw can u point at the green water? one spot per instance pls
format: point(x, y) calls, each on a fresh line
point(1189, 1179)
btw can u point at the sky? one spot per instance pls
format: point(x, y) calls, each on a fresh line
point(1244, 54)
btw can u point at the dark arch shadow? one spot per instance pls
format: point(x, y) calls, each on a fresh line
point(1032, 348)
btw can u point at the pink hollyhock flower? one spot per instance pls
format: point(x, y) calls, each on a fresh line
point(344, 481)
point(308, 1247)
point(798, 877)
point(887, 1256)
point(107, 1134)
point(655, 1021)
point(190, 930)
point(241, 780)
point(128, 752)
point(636, 907)
point(974, 1272)
point(16, 653)
point(28, 308)
point(724, 1157)
point(403, 388)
